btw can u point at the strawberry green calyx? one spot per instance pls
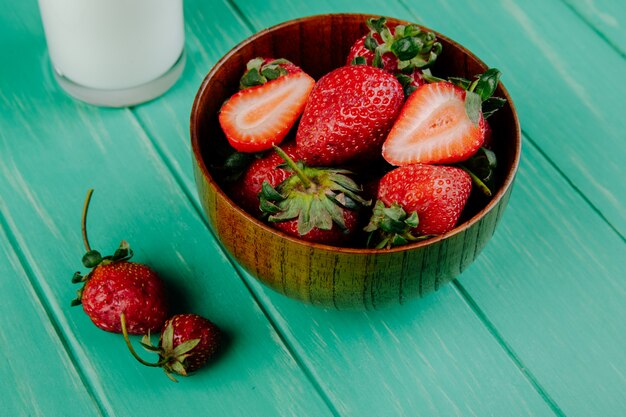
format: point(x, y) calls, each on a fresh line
point(413, 47)
point(392, 226)
point(92, 258)
point(482, 88)
point(258, 72)
point(314, 196)
point(481, 167)
point(171, 358)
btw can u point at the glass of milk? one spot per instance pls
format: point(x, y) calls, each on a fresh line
point(115, 52)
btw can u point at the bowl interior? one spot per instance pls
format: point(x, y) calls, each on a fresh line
point(319, 44)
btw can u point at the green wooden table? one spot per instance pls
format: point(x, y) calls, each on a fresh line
point(535, 327)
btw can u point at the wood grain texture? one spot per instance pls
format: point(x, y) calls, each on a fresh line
point(607, 17)
point(29, 344)
point(552, 283)
point(341, 278)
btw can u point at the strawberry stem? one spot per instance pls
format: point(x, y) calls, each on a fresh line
point(303, 177)
point(84, 219)
point(132, 350)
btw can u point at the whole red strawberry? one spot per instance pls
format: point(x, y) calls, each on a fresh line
point(115, 286)
point(418, 200)
point(272, 97)
point(245, 191)
point(187, 343)
point(315, 204)
point(125, 287)
point(348, 115)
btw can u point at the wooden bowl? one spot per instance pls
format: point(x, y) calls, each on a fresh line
point(342, 278)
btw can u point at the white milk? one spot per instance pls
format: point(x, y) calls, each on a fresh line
point(113, 44)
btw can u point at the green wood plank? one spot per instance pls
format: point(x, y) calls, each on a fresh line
point(30, 345)
point(51, 150)
point(607, 17)
point(350, 355)
point(574, 113)
point(427, 358)
point(152, 213)
point(552, 283)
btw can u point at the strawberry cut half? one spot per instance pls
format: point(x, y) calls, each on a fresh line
point(435, 126)
point(259, 117)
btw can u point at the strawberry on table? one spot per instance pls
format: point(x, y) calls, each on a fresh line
point(440, 123)
point(273, 95)
point(115, 286)
point(315, 204)
point(418, 201)
point(187, 343)
point(348, 115)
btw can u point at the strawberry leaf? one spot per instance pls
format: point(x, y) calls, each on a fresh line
point(491, 105)
point(185, 347)
point(481, 168)
point(122, 253)
point(430, 78)
point(460, 82)
point(378, 60)
point(251, 78)
point(376, 25)
point(473, 107)
point(77, 277)
point(272, 72)
point(487, 83)
point(406, 48)
point(370, 43)
point(358, 60)
point(391, 226)
point(167, 338)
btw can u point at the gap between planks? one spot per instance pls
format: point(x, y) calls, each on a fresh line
point(594, 28)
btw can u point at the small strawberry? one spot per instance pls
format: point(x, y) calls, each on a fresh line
point(395, 48)
point(440, 123)
point(348, 115)
point(187, 343)
point(418, 201)
point(245, 191)
point(115, 286)
point(316, 204)
point(273, 97)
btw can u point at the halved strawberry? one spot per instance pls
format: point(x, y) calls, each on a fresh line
point(440, 123)
point(256, 118)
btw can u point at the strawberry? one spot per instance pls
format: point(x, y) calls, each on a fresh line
point(395, 48)
point(348, 115)
point(187, 343)
point(245, 191)
point(316, 204)
point(335, 236)
point(440, 123)
point(115, 286)
point(418, 201)
point(272, 98)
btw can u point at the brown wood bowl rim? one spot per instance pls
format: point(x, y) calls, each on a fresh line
point(195, 144)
